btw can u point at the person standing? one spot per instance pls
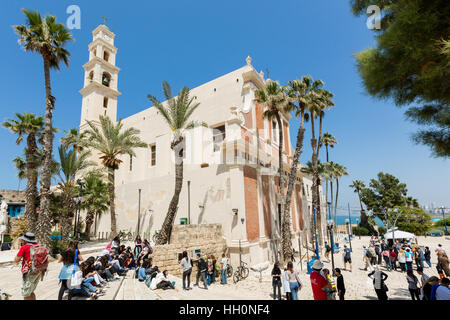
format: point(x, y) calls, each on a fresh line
point(30, 279)
point(201, 272)
point(137, 246)
point(402, 260)
point(347, 258)
point(294, 281)
point(365, 258)
point(413, 285)
point(187, 269)
point(386, 257)
point(427, 256)
point(286, 287)
point(379, 277)
point(340, 286)
point(276, 280)
point(409, 259)
point(393, 259)
point(223, 270)
point(327, 251)
point(378, 252)
point(444, 263)
point(319, 284)
point(331, 293)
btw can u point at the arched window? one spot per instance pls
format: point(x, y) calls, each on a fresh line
point(106, 79)
point(91, 76)
point(106, 55)
point(105, 102)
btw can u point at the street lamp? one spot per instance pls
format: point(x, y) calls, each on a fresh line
point(359, 230)
point(330, 223)
point(348, 233)
point(139, 213)
point(445, 222)
point(240, 252)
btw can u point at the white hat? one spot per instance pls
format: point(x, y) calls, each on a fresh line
point(317, 265)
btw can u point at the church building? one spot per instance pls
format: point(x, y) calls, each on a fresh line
point(230, 167)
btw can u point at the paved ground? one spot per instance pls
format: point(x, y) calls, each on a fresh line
point(359, 286)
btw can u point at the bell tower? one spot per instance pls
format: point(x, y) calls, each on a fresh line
point(100, 79)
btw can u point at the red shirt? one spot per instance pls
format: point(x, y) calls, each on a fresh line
point(317, 283)
point(25, 253)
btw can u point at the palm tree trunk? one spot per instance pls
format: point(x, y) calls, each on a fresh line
point(285, 217)
point(44, 224)
point(66, 215)
point(166, 229)
point(112, 207)
point(31, 190)
point(315, 187)
point(89, 222)
point(364, 220)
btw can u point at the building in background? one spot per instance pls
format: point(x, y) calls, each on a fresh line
point(15, 199)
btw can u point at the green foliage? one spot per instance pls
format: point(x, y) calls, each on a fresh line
point(384, 194)
point(360, 231)
point(382, 230)
point(56, 246)
point(19, 227)
point(412, 69)
point(440, 223)
point(414, 220)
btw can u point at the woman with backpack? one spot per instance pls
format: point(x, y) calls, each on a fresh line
point(70, 265)
point(186, 262)
point(379, 277)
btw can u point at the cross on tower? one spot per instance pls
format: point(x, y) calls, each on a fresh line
point(104, 20)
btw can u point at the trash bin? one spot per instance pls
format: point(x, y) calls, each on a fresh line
point(183, 221)
point(310, 264)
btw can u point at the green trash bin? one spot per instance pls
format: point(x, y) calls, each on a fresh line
point(183, 221)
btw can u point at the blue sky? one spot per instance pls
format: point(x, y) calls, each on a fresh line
point(192, 42)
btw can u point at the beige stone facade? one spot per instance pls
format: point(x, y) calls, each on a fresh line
point(230, 168)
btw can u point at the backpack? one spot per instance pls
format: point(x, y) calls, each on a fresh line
point(38, 258)
point(371, 252)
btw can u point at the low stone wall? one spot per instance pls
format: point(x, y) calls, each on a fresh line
point(207, 238)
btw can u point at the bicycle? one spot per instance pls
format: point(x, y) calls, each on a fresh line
point(125, 235)
point(229, 271)
point(241, 272)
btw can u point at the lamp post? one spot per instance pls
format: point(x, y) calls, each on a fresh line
point(350, 219)
point(348, 233)
point(139, 213)
point(359, 230)
point(189, 201)
point(240, 252)
point(445, 222)
point(330, 223)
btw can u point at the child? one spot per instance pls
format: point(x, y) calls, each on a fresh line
point(331, 293)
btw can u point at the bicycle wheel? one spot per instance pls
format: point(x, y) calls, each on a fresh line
point(229, 271)
point(244, 272)
point(236, 277)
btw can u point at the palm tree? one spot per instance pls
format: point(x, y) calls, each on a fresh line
point(176, 113)
point(318, 101)
point(274, 98)
point(31, 126)
point(95, 202)
point(47, 38)
point(337, 171)
point(112, 140)
point(328, 140)
point(71, 164)
point(357, 186)
point(74, 139)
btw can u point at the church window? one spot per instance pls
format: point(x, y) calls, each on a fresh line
point(105, 55)
point(91, 76)
point(153, 154)
point(218, 137)
point(105, 102)
point(106, 79)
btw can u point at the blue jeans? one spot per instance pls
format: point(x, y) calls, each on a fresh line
point(223, 276)
point(428, 263)
point(87, 283)
point(388, 264)
point(210, 278)
point(294, 289)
